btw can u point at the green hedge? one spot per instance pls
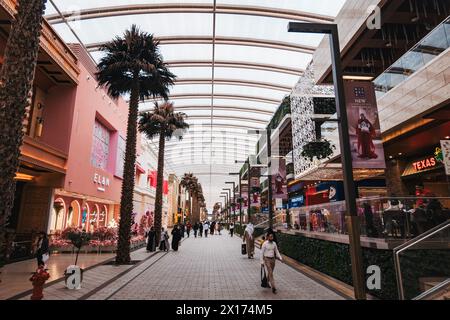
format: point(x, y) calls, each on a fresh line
point(333, 259)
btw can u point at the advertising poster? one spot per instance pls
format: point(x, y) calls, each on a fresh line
point(255, 185)
point(279, 186)
point(445, 147)
point(244, 193)
point(364, 125)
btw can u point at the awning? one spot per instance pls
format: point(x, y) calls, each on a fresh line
point(139, 169)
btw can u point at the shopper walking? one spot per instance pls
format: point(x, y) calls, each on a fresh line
point(195, 229)
point(200, 229)
point(206, 228)
point(181, 228)
point(176, 238)
point(231, 229)
point(269, 252)
point(188, 228)
point(151, 240)
point(164, 241)
point(249, 240)
point(42, 253)
point(212, 227)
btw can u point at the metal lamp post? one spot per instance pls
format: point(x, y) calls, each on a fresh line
point(344, 140)
point(233, 201)
point(225, 196)
point(229, 202)
point(240, 194)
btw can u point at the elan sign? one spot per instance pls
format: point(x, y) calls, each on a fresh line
point(101, 181)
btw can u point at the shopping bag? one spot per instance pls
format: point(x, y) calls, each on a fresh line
point(45, 257)
point(244, 248)
point(264, 282)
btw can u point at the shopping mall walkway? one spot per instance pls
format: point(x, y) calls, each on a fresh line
point(203, 268)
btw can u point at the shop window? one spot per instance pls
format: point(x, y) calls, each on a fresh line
point(100, 146)
point(120, 161)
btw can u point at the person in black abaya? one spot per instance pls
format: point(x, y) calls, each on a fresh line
point(176, 237)
point(151, 240)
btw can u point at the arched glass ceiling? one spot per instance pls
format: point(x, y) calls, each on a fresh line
point(234, 60)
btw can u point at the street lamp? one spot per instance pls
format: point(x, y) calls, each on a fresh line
point(248, 185)
point(234, 197)
point(229, 201)
point(344, 140)
point(240, 194)
point(225, 198)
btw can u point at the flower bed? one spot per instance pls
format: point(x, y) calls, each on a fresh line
point(103, 240)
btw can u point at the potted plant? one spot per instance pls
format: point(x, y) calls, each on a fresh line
point(320, 149)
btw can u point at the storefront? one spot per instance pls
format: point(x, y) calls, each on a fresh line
point(425, 176)
point(81, 211)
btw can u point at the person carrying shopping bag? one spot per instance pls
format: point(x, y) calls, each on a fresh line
point(249, 240)
point(269, 253)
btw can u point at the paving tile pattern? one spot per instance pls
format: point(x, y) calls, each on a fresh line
point(210, 268)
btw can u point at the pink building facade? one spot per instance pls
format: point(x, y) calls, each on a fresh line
point(92, 186)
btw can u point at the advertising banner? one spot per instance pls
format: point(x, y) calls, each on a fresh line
point(279, 186)
point(244, 193)
point(445, 149)
point(255, 192)
point(364, 126)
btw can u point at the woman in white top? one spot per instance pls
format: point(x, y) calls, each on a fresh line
point(269, 252)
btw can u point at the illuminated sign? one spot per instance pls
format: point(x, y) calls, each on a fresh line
point(424, 164)
point(102, 181)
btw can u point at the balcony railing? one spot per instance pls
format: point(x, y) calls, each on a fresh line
point(435, 43)
point(395, 218)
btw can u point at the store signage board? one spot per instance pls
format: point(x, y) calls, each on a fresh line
point(279, 187)
point(364, 125)
point(101, 181)
point(425, 164)
point(445, 147)
point(279, 203)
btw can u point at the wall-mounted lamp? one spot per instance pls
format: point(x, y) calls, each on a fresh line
point(39, 126)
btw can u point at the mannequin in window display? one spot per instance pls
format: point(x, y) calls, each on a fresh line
point(83, 219)
point(365, 132)
point(69, 216)
point(255, 197)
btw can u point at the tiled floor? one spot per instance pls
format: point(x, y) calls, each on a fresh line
point(15, 276)
point(203, 268)
point(211, 268)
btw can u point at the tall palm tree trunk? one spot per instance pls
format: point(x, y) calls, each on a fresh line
point(159, 185)
point(195, 213)
point(16, 81)
point(126, 201)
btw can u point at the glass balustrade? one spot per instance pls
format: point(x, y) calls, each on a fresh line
point(396, 218)
point(436, 42)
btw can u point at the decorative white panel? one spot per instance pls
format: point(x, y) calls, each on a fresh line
point(302, 110)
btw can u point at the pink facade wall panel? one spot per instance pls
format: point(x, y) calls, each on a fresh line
point(91, 104)
point(57, 116)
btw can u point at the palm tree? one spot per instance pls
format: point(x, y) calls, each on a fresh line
point(16, 82)
point(132, 65)
point(163, 121)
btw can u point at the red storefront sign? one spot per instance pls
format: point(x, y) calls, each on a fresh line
point(425, 164)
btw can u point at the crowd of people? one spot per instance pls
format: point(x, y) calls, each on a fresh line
point(200, 229)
